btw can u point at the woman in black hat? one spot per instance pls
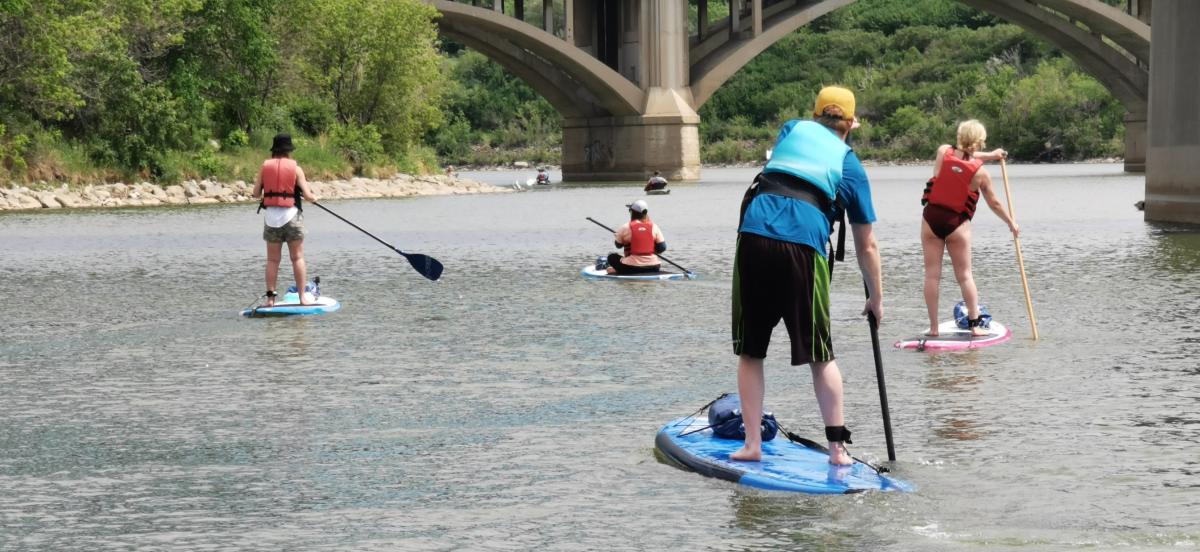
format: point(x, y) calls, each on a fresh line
point(281, 184)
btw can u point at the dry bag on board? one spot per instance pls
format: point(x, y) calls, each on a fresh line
point(725, 418)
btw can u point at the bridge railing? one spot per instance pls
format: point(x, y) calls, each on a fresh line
point(550, 17)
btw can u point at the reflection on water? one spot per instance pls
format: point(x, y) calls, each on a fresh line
point(513, 404)
point(958, 376)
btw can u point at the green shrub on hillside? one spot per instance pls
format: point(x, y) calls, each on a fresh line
point(361, 145)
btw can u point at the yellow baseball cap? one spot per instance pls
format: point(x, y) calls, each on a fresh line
point(835, 96)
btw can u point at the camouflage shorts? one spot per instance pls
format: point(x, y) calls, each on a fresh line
point(292, 231)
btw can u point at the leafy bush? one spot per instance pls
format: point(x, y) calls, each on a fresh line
point(275, 119)
point(320, 158)
point(312, 114)
point(207, 164)
point(735, 151)
point(360, 145)
point(12, 151)
point(452, 141)
point(237, 138)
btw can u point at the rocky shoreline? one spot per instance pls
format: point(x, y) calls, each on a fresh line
point(146, 194)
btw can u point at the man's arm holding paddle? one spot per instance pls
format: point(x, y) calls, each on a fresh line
point(867, 251)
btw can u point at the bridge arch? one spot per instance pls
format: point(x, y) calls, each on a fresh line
point(716, 58)
point(575, 83)
point(621, 125)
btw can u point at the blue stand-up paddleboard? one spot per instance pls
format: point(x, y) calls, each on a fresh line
point(689, 443)
point(288, 304)
point(594, 273)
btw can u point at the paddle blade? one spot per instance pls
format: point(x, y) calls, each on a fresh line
point(429, 267)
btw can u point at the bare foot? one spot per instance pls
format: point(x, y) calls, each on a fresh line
point(979, 332)
point(610, 270)
point(933, 330)
point(838, 455)
point(746, 455)
point(305, 298)
point(270, 302)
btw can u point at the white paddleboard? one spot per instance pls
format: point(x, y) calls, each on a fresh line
point(288, 304)
point(952, 338)
point(590, 271)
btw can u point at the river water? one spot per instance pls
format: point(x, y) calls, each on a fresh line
point(513, 405)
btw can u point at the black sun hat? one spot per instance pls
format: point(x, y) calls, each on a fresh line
point(282, 143)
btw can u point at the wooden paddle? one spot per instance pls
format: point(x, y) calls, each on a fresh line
point(1020, 259)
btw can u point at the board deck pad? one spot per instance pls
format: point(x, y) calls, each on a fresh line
point(288, 304)
point(785, 466)
point(952, 338)
point(590, 271)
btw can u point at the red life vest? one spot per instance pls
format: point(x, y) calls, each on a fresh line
point(278, 176)
point(951, 188)
point(641, 240)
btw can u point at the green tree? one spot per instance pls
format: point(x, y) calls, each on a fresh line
point(375, 61)
point(138, 103)
point(39, 43)
point(231, 49)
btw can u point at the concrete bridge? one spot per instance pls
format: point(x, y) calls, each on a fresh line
point(628, 76)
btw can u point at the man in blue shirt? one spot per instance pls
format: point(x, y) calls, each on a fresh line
point(781, 271)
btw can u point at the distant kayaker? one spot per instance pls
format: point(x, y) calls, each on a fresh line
point(780, 267)
point(950, 198)
point(656, 182)
point(641, 240)
point(281, 184)
point(542, 177)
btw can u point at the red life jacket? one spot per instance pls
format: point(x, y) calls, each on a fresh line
point(278, 176)
point(951, 188)
point(641, 240)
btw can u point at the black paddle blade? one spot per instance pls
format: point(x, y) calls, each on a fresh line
point(429, 267)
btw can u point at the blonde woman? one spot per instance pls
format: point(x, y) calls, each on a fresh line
point(949, 199)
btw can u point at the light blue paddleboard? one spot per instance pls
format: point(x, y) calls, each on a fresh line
point(592, 272)
point(785, 466)
point(288, 304)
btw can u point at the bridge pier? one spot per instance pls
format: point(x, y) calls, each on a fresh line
point(665, 134)
point(1135, 142)
point(1173, 168)
point(631, 148)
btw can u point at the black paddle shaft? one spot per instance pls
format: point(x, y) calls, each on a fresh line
point(883, 402)
point(685, 271)
point(427, 266)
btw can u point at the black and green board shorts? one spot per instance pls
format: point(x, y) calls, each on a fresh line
point(773, 280)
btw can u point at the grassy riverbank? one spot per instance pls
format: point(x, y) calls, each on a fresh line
point(49, 162)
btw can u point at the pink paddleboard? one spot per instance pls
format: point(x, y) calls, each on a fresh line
point(952, 338)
